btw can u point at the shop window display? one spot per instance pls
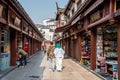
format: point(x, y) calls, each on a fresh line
point(110, 42)
point(86, 50)
point(107, 51)
point(100, 68)
point(110, 50)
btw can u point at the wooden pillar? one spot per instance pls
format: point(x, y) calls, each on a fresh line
point(86, 24)
point(13, 36)
point(23, 40)
point(72, 48)
point(29, 47)
point(67, 47)
point(33, 46)
point(79, 48)
point(39, 45)
point(111, 9)
point(93, 49)
point(118, 48)
point(0, 37)
point(75, 48)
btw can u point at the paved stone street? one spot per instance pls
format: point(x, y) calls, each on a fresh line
point(38, 69)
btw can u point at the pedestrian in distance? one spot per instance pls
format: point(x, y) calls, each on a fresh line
point(51, 57)
point(23, 59)
point(59, 54)
point(44, 49)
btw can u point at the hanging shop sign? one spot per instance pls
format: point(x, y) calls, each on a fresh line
point(94, 17)
point(80, 25)
point(1, 10)
point(30, 31)
point(17, 22)
point(26, 28)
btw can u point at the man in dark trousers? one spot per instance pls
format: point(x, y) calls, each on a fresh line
point(23, 56)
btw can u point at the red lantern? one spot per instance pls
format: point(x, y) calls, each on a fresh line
point(26, 48)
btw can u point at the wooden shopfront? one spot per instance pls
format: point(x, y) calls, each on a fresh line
point(16, 28)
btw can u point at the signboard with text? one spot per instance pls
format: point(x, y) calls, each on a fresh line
point(95, 16)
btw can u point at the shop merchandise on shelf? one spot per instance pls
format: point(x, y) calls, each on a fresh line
point(107, 50)
point(86, 50)
point(100, 62)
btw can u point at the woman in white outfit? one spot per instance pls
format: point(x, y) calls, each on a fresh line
point(59, 53)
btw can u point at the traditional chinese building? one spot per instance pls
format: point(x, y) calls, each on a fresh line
point(91, 34)
point(16, 29)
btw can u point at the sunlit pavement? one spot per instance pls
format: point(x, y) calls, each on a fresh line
point(38, 69)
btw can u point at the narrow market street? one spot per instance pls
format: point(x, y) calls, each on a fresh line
point(85, 32)
point(38, 69)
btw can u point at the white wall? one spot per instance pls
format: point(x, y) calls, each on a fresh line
point(50, 24)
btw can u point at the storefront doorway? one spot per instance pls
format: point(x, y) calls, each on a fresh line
point(107, 57)
point(5, 49)
point(85, 57)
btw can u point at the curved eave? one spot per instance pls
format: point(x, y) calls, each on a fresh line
point(62, 28)
point(69, 5)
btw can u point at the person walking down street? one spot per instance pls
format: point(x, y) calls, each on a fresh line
point(59, 53)
point(23, 59)
point(44, 49)
point(51, 57)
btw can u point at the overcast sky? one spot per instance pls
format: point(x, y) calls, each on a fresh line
point(38, 10)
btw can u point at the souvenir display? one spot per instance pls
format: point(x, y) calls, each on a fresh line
point(86, 50)
point(107, 51)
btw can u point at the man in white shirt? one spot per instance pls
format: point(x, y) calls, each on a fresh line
point(59, 53)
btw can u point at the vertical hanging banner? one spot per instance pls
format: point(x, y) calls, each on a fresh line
point(17, 22)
